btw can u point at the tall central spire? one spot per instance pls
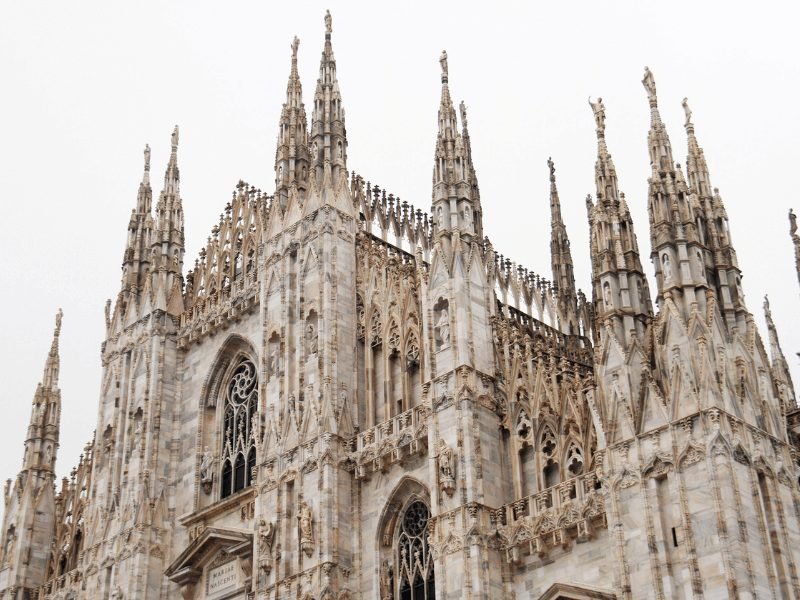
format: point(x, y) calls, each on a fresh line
point(291, 156)
point(328, 136)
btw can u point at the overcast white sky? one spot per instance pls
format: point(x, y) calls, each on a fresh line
point(86, 84)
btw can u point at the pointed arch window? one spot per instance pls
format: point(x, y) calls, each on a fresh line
point(238, 442)
point(414, 571)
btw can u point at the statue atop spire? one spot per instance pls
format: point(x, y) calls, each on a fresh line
point(175, 138)
point(443, 63)
point(795, 240)
point(688, 112)
point(295, 46)
point(328, 22)
point(649, 84)
point(552, 168)
point(599, 110)
point(147, 158)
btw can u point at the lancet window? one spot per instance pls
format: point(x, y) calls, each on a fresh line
point(238, 442)
point(414, 570)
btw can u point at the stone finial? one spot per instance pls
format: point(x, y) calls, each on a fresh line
point(295, 46)
point(328, 22)
point(551, 165)
point(443, 63)
point(649, 84)
point(147, 157)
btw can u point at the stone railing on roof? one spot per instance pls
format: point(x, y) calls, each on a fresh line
point(549, 519)
point(391, 219)
point(224, 281)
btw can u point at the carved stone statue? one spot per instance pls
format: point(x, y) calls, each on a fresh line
point(274, 360)
point(649, 83)
point(175, 137)
point(116, 593)
point(311, 338)
point(386, 581)
point(599, 110)
point(443, 328)
point(10, 544)
point(305, 519)
point(295, 45)
point(328, 22)
point(792, 222)
point(446, 469)
point(667, 267)
point(147, 157)
point(266, 537)
point(687, 111)
point(443, 62)
point(206, 464)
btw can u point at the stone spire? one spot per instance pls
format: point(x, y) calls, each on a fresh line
point(716, 264)
point(678, 247)
point(291, 156)
point(658, 140)
point(619, 286)
point(561, 256)
point(780, 368)
point(136, 259)
point(328, 141)
point(43, 429)
point(456, 199)
point(26, 536)
point(168, 244)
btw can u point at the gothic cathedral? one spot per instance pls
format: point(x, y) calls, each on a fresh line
point(347, 398)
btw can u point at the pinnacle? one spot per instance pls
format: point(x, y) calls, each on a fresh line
point(51, 367)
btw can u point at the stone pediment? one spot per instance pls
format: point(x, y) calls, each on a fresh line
point(567, 591)
point(228, 551)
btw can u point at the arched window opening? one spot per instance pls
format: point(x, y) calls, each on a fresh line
point(414, 572)
point(238, 442)
point(551, 474)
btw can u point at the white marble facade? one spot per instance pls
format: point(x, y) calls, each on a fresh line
point(347, 398)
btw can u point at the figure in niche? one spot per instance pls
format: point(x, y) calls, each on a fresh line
point(48, 454)
point(467, 219)
point(274, 357)
point(205, 466)
point(607, 295)
point(311, 338)
point(440, 217)
point(266, 537)
point(446, 475)
point(666, 267)
point(442, 328)
point(11, 540)
point(305, 519)
point(386, 581)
